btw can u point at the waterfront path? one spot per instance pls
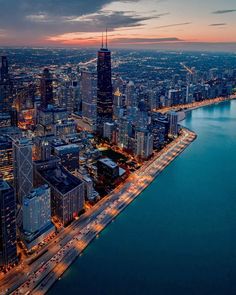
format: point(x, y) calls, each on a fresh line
point(197, 104)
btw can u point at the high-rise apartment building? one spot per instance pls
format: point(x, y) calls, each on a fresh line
point(118, 104)
point(124, 130)
point(144, 144)
point(37, 223)
point(67, 96)
point(37, 209)
point(108, 130)
point(173, 121)
point(131, 99)
point(159, 128)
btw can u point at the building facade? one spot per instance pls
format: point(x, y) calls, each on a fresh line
point(46, 88)
point(173, 121)
point(67, 191)
point(88, 92)
point(6, 97)
point(37, 209)
point(69, 155)
point(23, 168)
point(144, 144)
point(8, 251)
point(104, 88)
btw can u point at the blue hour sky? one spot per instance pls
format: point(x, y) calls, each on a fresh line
point(131, 23)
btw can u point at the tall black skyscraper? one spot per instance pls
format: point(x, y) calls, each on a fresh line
point(8, 252)
point(46, 89)
point(5, 87)
point(104, 87)
point(4, 69)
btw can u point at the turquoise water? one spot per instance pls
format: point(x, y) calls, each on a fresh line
point(179, 236)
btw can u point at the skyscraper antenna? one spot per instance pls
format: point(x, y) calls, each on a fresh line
point(106, 37)
point(102, 39)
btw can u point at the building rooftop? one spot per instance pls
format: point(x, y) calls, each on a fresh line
point(37, 191)
point(108, 162)
point(60, 179)
point(121, 171)
point(173, 113)
point(4, 185)
point(10, 130)
point(4, 116)
point(52, 108)
point(57, 142)
point(23, 141)
point(86, 178)
point(109, 124)
point(104, 50)
point(65, 148)
point(66, 122)
point(5, 142)
point(117, 92)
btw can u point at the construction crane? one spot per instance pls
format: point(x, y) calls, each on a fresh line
point(187, 68)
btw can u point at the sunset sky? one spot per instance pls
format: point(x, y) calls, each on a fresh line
point(131, 23)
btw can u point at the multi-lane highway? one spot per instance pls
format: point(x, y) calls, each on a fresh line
point(38, 276)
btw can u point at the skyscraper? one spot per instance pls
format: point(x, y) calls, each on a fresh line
point(88, 96)
point(118, 104)
point(37, 209)
point(37, 223)
point(46, 88)
point(23, 168)
point(104, 87)
point(5, 87)
point(8, 252)
point(144, 144)
point(6, 157)
point(131, 99)
point(67, 96)
point(4, 69)
point(124, 127)
point(108, 130)
point(173, 121)
point(159, 128)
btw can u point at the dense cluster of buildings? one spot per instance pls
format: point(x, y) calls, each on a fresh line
point(49, 128)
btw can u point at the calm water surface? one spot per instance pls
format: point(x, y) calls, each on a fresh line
point(179, 236)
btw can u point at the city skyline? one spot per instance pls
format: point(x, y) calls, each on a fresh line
point(161, 24)
point(82, 137)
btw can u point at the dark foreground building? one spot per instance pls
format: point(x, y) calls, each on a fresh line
point(8, 252)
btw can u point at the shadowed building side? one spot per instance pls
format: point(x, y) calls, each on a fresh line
point(8, 251)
